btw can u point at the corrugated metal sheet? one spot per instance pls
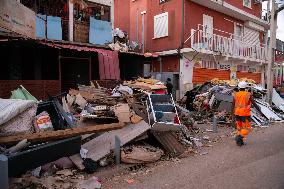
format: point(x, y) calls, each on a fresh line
point(74, 47)
point(169, 141)
point(108, 59)
point(109, 65)
point(277, 100)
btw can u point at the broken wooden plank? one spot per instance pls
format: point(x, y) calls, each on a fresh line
point(102, 145)
point(60, 134)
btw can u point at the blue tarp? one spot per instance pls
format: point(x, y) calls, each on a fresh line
point(54, 28)
point(40, 26)
point(100, 32)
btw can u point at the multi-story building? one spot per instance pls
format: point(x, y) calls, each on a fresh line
point(198, 40)
point(50, 46)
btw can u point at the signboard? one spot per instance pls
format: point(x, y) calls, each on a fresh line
point(222, 66)
point(15, 17)
point(233, 74)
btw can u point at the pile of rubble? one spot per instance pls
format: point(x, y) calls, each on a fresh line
point(215, 98)
point(56, 143)
point(89, 128)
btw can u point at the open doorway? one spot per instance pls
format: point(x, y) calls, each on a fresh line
point(74, 71)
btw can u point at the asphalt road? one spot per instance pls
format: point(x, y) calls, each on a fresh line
point(259, 165)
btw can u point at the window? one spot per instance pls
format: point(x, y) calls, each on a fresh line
point(163, 1)
point(161, 25)
point(247, 3)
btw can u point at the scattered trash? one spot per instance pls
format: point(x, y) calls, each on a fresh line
point(36, 172)
point(91, 183)
point(203, 153)
point(130, 181)
point(43, 122)
point(136, 113)
point(140, 154)
point(83, 153)
point(90, 165)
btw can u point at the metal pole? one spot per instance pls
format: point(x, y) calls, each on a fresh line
point(4, 179)
point(273, 27)
point(143, 31)
point(215, 122)
point(143, 40)
point(117, 154)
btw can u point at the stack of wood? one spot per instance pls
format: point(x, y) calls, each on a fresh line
point(146, 84)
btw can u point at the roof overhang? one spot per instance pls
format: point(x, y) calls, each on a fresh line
point(230, 10)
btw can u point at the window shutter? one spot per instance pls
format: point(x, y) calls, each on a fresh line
point(161, 25)
point(251, 36)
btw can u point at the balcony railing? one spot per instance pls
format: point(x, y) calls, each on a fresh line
point(226, 44)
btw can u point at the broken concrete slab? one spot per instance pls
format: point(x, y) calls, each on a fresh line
point(102, 145)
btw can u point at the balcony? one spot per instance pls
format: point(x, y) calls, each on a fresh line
point(223, 44)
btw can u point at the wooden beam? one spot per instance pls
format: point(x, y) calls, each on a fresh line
point(60, 134)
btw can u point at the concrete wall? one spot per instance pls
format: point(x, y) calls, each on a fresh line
point(254, 10)
point(175, 20)
point(122, 15)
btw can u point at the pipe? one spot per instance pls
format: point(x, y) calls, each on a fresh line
point(182, 26)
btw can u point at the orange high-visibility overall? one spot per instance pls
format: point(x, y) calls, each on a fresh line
point(242, 112)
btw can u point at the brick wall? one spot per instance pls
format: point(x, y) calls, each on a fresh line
point(38, 88)
point(201, 75)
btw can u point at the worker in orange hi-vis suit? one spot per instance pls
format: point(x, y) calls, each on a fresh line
point(241, 106)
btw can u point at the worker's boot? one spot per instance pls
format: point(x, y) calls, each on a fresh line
point(239, 140)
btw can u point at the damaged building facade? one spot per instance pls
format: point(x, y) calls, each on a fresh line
point(199, 40)
point(51, 46)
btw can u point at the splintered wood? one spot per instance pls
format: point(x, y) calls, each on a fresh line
point(60, 134)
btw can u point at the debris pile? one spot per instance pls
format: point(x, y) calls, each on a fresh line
point(133, 123)
point(89, 128)
point(215, 98)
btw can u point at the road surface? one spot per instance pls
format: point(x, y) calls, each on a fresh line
point(259, 165)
